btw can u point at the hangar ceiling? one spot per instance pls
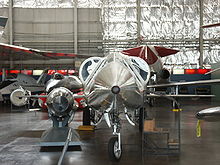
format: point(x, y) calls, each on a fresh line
point(123, 24)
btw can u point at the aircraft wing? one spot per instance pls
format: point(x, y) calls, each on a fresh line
point(172, 84)
point(45, 96)
point(12, 52)
point(176, 96)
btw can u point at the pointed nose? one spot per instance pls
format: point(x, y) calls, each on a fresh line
point(199, 115)
point(115, 89)
point(209, 114)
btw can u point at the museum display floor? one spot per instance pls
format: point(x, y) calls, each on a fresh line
point(20, 134)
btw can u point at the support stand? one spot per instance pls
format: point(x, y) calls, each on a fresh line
point(86, 121)
point(68, 139)
point(57, 137)
point(60, 135)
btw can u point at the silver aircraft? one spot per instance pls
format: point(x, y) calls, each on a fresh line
point(209, 114)
point(115, 85)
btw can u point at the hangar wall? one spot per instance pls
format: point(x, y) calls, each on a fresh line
point(52, 29)
point(171, 23)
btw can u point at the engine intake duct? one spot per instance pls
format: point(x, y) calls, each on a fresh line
point(60, 102)
point(164, 74)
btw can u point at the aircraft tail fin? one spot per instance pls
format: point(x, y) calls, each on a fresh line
point(43, 76)
point(150, 53)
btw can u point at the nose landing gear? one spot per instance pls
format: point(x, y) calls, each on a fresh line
point(114, 148)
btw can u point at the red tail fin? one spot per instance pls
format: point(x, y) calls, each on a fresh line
point(149, 54)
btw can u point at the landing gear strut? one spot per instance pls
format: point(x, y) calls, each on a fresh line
point(114, 145)
point(141, 118)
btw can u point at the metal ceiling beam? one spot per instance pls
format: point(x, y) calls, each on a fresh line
point(11, 37)
point(201, 41)
point(42, 62)
point(138, 3)
point(75, 27)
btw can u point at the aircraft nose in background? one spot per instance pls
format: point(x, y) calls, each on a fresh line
point(209, 114)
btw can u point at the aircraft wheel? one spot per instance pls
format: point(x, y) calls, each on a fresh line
point(113, 149)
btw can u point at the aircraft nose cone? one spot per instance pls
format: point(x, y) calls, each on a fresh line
point(114, 74)
point(115, 89)
point(114, 78)
point(199, 115)
point(209, 114)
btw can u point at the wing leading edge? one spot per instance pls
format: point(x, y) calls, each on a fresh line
point(12, 52)
point(215, 81)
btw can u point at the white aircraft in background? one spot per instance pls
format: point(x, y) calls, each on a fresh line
point(209, 114)
point(15, 81)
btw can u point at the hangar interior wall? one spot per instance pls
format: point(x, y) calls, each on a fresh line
point(53, 29)
point(123, 24)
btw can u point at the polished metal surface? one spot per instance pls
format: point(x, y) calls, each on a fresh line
point(210, 114)
point(70, 82)
point(130, 74)
point(18, 98)
point(60, 102)
point(214, 81)
point(114, 74)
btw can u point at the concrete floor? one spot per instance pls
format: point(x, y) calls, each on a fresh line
point(20, 135)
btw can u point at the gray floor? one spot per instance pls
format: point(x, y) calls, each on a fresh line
point(20, 135)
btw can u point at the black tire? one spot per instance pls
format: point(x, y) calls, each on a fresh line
point(141, 118)
point(86, 116)
point(113, 156)
point(151, 102)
